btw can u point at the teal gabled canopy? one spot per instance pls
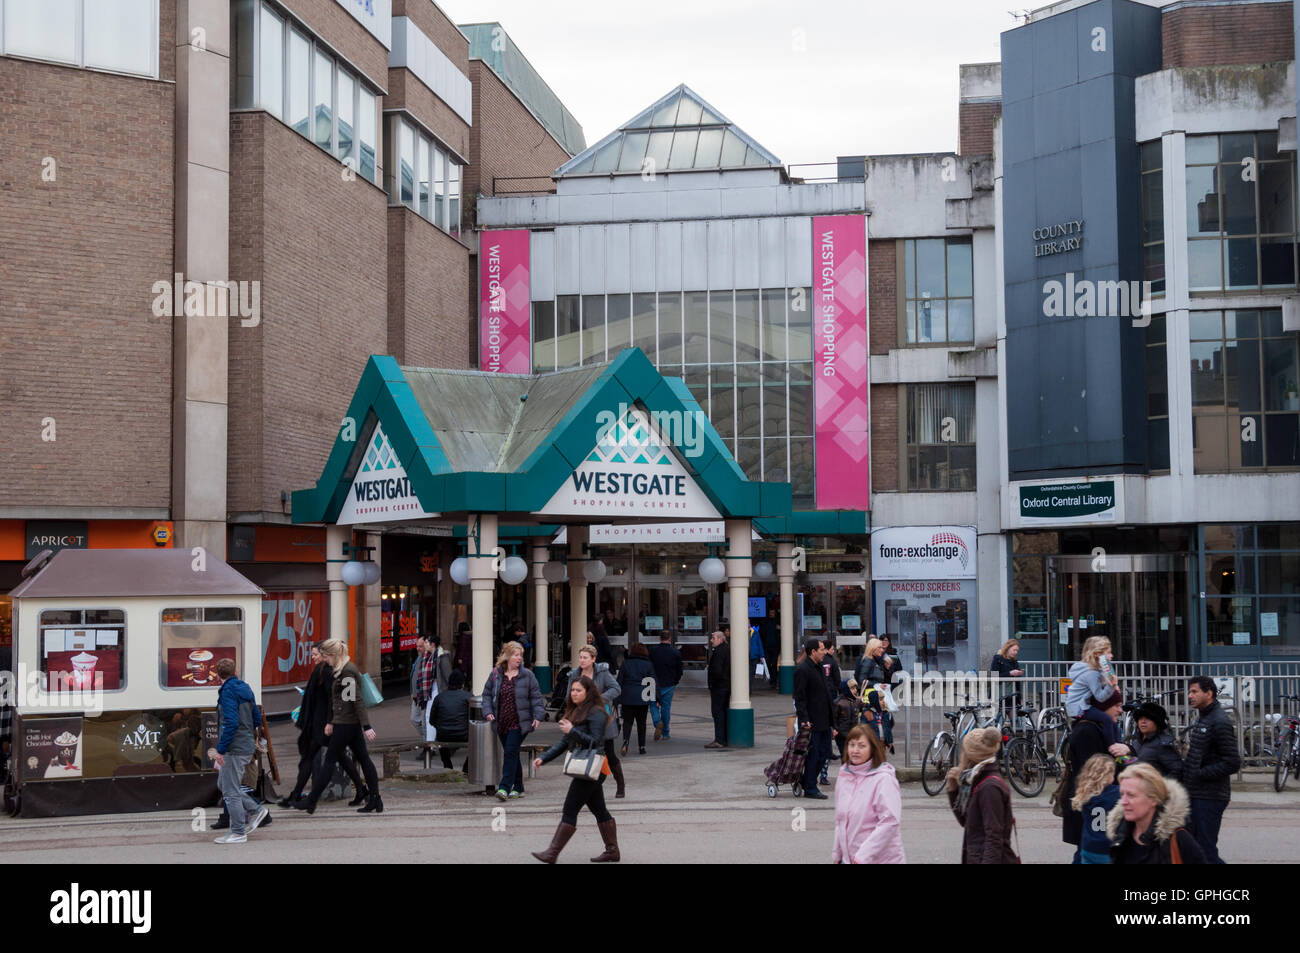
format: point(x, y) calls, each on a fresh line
point(478, 442)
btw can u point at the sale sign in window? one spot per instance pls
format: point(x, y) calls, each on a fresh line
point(291, 623)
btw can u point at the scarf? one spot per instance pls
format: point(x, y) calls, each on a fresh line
point(966, 785)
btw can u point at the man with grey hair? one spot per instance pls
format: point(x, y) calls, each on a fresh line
point(719, 687)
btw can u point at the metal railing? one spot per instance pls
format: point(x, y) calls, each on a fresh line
point(523, 185)
point(1251, 692)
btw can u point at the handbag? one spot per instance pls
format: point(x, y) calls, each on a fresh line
point(588, 763)
point(369, 694)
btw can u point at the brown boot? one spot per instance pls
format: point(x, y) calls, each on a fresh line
point(609, 832)
point(616, 769)
point(552, 853)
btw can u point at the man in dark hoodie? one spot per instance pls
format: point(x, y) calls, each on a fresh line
point(238, 715)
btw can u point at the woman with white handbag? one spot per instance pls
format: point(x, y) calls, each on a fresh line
point(583, 746)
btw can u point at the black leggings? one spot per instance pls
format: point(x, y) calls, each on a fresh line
point(344, 737)
point(308, 760)
point(585, 793)
point(611, 754)
point(637, 712)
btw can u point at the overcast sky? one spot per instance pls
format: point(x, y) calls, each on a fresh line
point(871, 77)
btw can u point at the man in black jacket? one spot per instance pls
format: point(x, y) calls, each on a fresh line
point(719, 687)
point(449, 714)
point(668, 672)
point(814, 710)
point(1212, 757)
point(1086, 739)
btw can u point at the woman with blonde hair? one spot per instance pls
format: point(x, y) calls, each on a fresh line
point(1095, 794)
point(1093, 687)
point(1147, 826)
point(512, 698)
point(877, 667)
point(348, 728)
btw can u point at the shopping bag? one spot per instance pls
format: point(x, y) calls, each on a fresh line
point(369, 694)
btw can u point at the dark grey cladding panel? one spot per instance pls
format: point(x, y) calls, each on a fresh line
point(1075, 385)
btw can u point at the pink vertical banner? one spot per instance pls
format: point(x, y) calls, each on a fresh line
point(505, 344)
point(840, 389)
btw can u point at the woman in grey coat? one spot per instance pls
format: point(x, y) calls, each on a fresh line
point(610, 691)
point(512, 699)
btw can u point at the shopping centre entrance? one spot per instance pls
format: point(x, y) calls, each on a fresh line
point(1140, 602)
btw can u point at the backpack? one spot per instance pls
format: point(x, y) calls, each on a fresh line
point(1058, 799)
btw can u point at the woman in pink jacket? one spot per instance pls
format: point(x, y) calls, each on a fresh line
point(867, 804)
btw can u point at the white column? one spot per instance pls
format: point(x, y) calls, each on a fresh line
point(541, 651)
point(370, 658)
point(577, 592)
point(482, 584)
point(785, 575)
point(335, 537)
point(739, 568)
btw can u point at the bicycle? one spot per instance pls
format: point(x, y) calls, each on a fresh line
point(1028, 761)
point(942, 752)
point(1287, 762)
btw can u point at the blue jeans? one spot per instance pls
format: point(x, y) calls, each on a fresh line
point(819, 754)
point(238, 804)
point(1203, 824)
point(661, 710)
point(512, 770)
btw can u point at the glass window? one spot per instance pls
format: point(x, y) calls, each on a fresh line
point(323, 80)
point(799, 319)
point(270, 63)
point(439, 188)
point(453, 197)
point(775, 413)
point(366, 134)
point(618, 324)
point(801, 402)
point(773, 346)
point(695, 328)
point(120, 34)
point(347, 117)
point(749, 456)
point(568, 330)
point(1157, 379)
point(406, 147)
point(733, 151)
point(43, 31)
point(670, 331)
point(749, 407)
point(939, 303)
point(242, 50)
point(940, 437)
point(801, 471)
point(425, 164)
point(299, 82)
point(1153, 215)
point(722, 327)
point(747, 326)
point(593, 329)
point(683, 154)
point(1245, 378)
point(194, 640)
point(644, 333)
point(689, 113)
point(543, 336)
point(657, 151)
point(709, 150)
point(634, 149)
point(82, 649)
point(723, 392)
point(1241, 213)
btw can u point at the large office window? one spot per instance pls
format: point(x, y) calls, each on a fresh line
point(1251, 577)
point(1245, 398)
point(116, 35)
point(1153, 216)
point(276, 65)
point(1157, 396)
point(939, 303)
point(940, 437)
point(1241, 213)
point(424, 176)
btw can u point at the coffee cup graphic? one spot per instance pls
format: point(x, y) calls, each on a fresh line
point(197, 665)
point(83, 670)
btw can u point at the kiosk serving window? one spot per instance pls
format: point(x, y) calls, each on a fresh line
point(82, 649)
point(194, 640)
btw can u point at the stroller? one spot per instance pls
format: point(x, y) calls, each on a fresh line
point(788, 769)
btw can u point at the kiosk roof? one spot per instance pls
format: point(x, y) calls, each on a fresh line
point(85, 573)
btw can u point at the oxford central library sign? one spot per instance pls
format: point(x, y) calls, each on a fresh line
point(1065, 503)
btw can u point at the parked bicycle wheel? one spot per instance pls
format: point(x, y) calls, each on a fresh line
point(934, 766)
point(1285, 762)
point(1025, 768)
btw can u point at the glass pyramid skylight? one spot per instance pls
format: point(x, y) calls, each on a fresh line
point(678, 133)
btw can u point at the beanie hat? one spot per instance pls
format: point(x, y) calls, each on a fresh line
point(1155, 713)
point(981, 744)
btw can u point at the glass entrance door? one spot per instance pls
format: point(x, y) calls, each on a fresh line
point(1138, 602)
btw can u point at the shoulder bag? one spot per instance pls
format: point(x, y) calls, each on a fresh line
point(588, 763)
